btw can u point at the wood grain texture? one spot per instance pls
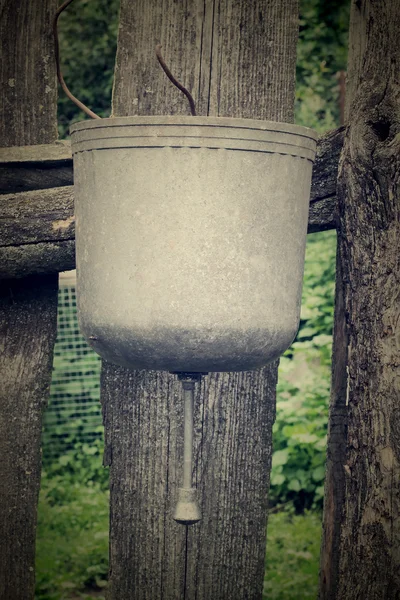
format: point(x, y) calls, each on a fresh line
point(36, 217)
point(40, 166)
point(28, 102)
point(235, 413)
point(16, 178)
point(143, 414)
point(42, 258)
point(323, 203)
point(151, 557)
point(251, 60)
point(335, 484)
point(364, 483)
point(28, 306)
point(140, 83)
point(223, 52)
point(28, 324)
point(38, 153)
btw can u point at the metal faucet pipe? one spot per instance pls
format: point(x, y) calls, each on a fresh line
point(187, 511)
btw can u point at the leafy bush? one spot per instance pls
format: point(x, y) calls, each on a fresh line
point(321, 54)
point(292, 560)
point(88, 44)
point(299, 434)
point(72, 539)
point(82, 465)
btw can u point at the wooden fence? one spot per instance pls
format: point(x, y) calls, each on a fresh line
point(238, 58)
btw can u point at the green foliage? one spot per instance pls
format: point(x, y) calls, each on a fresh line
point(82, 465)
point(299, 434)
point(292, 561)
point(321, 54)
point(318, 291)
point(65, 426)
point(88, 44)
point(298, 461)
point(72, 540)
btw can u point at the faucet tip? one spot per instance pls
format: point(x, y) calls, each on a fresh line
point(187, 510)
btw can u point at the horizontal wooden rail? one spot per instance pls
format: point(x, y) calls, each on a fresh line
point(24, 168)
point(322, 214)
point(37, 223)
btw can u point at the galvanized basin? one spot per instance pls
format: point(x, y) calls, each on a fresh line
point(190, 235)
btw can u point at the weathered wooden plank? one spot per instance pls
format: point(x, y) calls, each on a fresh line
point(247, 80)
point(37, 217)
point(41, 258)
point(325, 169)
point(140, 82)
point(143, 413)
point(38, 153)
point(24, 168)
point(34, 224)
point(37, 232)
point(19, 178)
point(28, 102)
point(223, 556)
point(334, 496)
point(323, 208)
point(28, 307)
point(28, 324)
point(361, 545)
point(322, 215)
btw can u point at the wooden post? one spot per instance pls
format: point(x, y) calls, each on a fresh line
point(361, 544)
point(238, 59)
point(28, 307)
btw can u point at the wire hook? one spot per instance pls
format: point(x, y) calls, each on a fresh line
point(175, 81)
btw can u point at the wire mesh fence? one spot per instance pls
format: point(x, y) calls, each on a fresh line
point(73, 414)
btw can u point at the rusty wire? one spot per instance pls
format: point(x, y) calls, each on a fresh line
point(175, 81)
point(60, 77)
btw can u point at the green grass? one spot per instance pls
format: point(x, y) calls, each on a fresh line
point(72, 541)
point(72, 547)
point(292, 561)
